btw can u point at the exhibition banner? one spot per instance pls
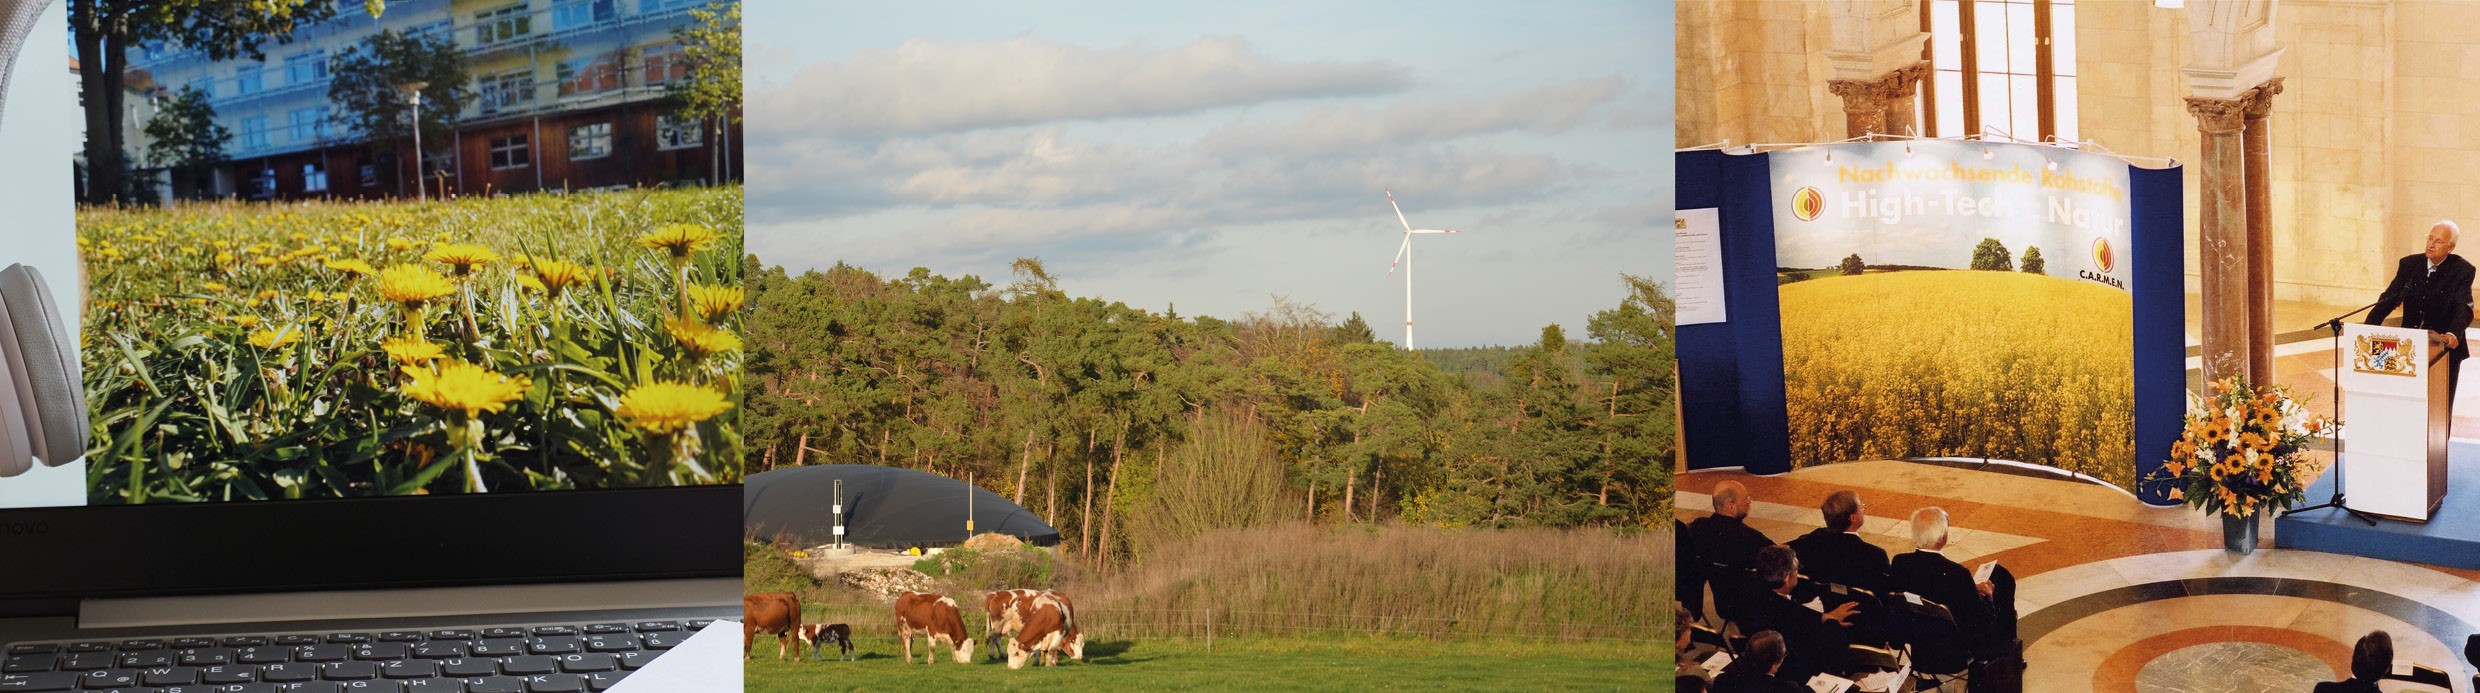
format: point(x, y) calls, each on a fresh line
point(1945, 298)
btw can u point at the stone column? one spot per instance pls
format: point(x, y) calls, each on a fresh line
point(1882, 105)
point(2222, 234)
point(2259, 161)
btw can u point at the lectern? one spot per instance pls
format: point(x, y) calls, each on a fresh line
point(2394, 402)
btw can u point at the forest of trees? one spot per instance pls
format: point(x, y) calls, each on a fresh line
point(1081, 409)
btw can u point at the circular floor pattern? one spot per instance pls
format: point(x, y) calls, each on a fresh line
point(2232, 667)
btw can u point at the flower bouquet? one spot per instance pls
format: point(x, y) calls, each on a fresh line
point(2240, 455)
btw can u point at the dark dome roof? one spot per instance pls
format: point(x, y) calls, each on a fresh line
point(883, 507)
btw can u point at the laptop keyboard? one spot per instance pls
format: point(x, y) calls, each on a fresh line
point(531, 659)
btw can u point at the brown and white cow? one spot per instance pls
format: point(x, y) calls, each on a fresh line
point(1001, 616)
point(934, 618)
point(817, 635)
point(770, 612)
point(1049, 627)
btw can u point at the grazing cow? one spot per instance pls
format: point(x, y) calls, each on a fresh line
point(1073, 639)
point(771, 612)
point(817, 635)
point(1001, 616)
point(934, 618)
point(1047, 621)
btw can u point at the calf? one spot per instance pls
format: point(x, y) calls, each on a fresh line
point(771, 612)
point(935, 618)
point(817, 635)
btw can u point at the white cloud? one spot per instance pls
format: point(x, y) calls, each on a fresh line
point(924, 86)
point(1546, 110)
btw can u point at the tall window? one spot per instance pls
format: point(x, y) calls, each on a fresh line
point(313, 178)
point(306, 68)
point(589, 141)
point(502, 25)
point(309, 124)
point(572, 14)
point(253, 80)
point(254, 132)
point(507, 91)
point(664, 63)
point(1999, 68)
point(588, 75)
point(510, 152)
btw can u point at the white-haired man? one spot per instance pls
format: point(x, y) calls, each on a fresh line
point(1984, 611)
point(2434, 290)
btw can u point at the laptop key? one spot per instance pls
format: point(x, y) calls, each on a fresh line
point(178, 643)
point(297, 640)
point(630, 661)
point(115, 678)
point(439, 650)
point(142, 644)
point(228, 674)
point(263, 655)
point(607, 628)
point(435, 686)
point(664, 641)
point(205, 656)
point(312, 687)
point(411, 669)
point(652, 626)
point(320, 653)
point(91, 647)
point(29, 663)
point(452, 635)
point(469, 668)
point(499, 648)
point(245, 688)
point(701, 624)
point(35, 648)
point(400, 636)
point(622, 642)
point(555, 683)
point(48, 681)
point(147, 659)
point(289, 672)
point(245, 641)
point(88, 661)
point(580, 663)
point(496, 684)
point(348, 638)
point(555, 645)
point(555, 630)
point(530, 664)
point(349, 671)
point(383, 650)
point(600, 680)
point(169, 676)
point(503, 632)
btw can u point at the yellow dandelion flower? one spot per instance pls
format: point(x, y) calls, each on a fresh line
point(399, 244)
point(214, 286)
point(411, 351)
point(530, 283)
point(702, 339)
point(465, 387)
point(412, 285)
point(557, 275)
point(354, 268)
point(263, 261)
point(678, 239)
point(666, 407)
point(461, 256)
point(714, 300)
point(245, 321)
point(267, 294)
point(225, 258)
point(276, 338)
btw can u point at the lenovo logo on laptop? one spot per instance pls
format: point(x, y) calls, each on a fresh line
point(15, 529)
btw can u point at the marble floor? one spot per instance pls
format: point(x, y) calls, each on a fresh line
point(2117, 596)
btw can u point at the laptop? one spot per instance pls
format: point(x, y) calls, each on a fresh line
point(468, 592)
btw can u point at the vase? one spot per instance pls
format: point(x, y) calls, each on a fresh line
point(2239, 534)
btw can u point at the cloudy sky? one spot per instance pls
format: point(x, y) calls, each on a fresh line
point(1214, 156)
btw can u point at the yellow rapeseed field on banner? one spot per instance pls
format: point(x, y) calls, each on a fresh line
point(1961, 364)
point(319, 350)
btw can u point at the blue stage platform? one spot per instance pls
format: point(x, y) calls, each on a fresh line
point(2451, 538)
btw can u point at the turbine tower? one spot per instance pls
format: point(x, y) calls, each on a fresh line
point(1403, 257)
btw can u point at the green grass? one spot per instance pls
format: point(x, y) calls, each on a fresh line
point(1245, 664)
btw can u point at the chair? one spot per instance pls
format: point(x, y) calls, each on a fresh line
point(1939, 652)
point(2422, 679)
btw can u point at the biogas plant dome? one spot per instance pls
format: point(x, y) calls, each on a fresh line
point(884, 507)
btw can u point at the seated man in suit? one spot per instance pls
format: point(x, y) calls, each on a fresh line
point(1984, 611)
point(1836, 553)
point(1817, 639)
point(1726, 544)
point(2370, 660)
point(1690, 588)
point(1754, 672)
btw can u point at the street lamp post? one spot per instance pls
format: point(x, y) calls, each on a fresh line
point(414, 91)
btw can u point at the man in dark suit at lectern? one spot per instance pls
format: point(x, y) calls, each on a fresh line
point(2434, 290)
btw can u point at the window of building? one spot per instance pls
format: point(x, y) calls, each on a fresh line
point(507, 91)
point(370, 176)
point(263, 184)
point(588, 75)
point(573, 14)
point(661, 5)
point(313, 178)
point(589, 141)
point(664, 63)
point(677, 133)
point(309, 124)
point(253, 80)
point(1999, 68)
point(306, 68)
point(503, 25)
point(442, 28)
point(510, 152)
point(254, 132)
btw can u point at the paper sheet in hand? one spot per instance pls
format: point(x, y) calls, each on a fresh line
point(707, 662)
point(1981, 574)
point(1821, 683)
point(1713, 667)
point(1885, 681)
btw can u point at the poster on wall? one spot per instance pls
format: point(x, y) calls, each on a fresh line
point(1697, 257)
point(1945, 298)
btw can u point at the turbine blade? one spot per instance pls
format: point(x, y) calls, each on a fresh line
point(1431, 231)
point(1399, 255)
point(1399, 210)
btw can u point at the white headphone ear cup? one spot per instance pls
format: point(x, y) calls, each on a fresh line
point(16, 412)
point(50, 366)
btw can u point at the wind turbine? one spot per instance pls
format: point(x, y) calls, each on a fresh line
point(1403, 256)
